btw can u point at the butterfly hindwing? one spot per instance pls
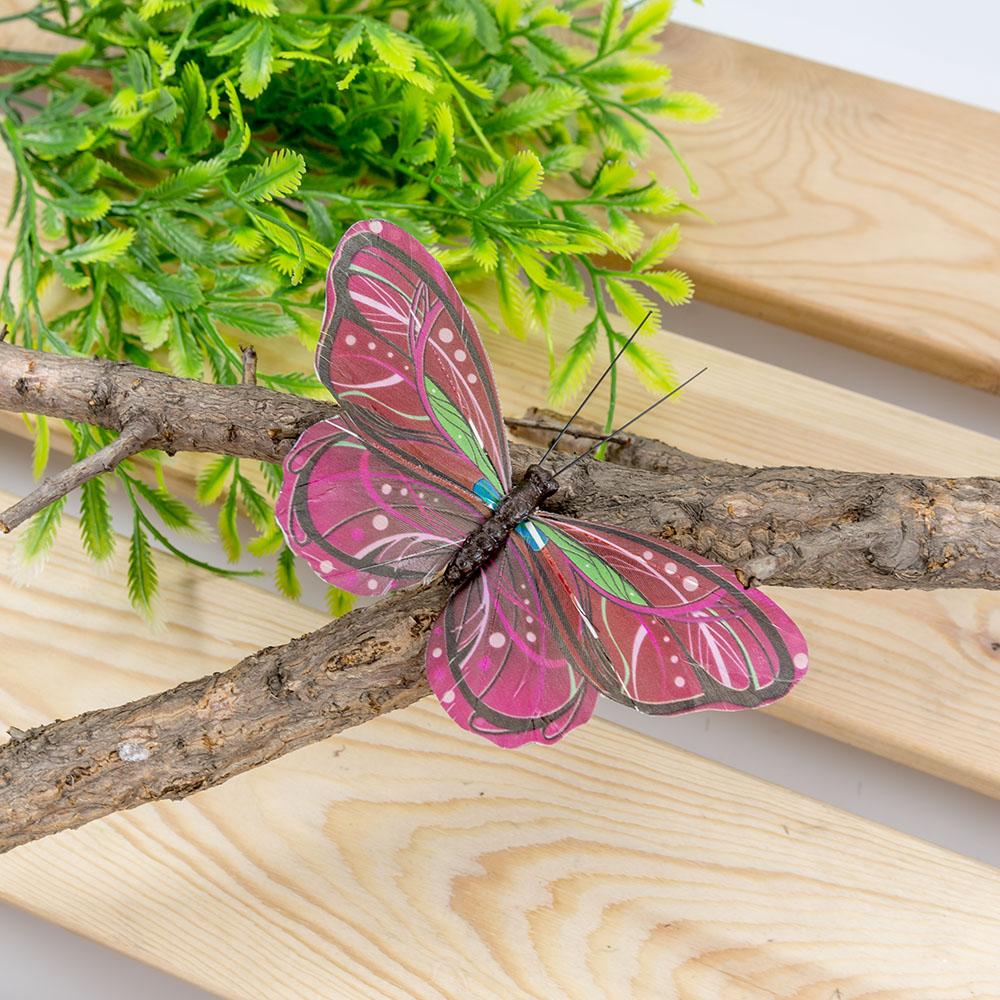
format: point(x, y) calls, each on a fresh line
point(364, 524)
point(400, 352)
point(496, 662)
point(676, 632)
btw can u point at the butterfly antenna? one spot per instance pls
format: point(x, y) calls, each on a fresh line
point(570, 465)
point(595, 385)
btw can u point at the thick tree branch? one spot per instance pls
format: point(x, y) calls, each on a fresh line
point(198, 734)
point(797, 527)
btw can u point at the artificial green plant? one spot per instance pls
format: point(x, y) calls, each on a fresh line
point(187, 168)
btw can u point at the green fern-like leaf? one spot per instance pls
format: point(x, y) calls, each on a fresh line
point(675, 287)
point(279, 175)
point(285, 577)
point(257, 62)
point(519, 178)
point(572, 370)
point(95, 520)
point(444, 135)
point(229, 534)
point(339, 602)
point(174, 513)
point(102, 247)
point(392, 47)
point(663, 244)
point(143, 584)
point(534, 110)
point(212, 479)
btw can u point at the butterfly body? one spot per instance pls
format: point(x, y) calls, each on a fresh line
point(486, 539)
point(413, 479)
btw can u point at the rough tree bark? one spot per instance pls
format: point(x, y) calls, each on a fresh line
point(787, 526)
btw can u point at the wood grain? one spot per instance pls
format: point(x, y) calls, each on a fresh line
point(408, 860)
point(858, 211)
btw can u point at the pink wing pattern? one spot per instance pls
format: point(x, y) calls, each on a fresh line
point(402, 355)
point(362, 523)
point(676, 633)
point(496, 660)
point(383, 495)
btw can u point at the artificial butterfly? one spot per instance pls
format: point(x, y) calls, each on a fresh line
point(386, 494)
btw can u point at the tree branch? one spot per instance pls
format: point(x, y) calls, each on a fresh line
point(793, 526)
point(135, 436)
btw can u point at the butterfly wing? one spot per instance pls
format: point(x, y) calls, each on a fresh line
point(676, 632)
point(400, 352)
point(363, 523)
point(495, 658)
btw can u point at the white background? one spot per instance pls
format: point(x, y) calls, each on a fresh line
point(913, 42)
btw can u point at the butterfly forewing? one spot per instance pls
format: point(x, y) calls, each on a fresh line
point(400, 352)
point(496, 661)
point(363, 523)
point(676, 632)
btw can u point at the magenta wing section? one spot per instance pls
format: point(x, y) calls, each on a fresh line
point(675, 632)
point(362, 523)
point(495, 659)
point(400, 352)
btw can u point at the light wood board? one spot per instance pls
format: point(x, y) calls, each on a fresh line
point(855, 210)
point(409, 860)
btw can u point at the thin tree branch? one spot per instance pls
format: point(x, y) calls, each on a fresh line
point(134, 437)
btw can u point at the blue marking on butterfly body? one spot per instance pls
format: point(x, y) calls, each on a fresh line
point(487, 492)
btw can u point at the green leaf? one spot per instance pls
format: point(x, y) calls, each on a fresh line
point(339, 602)
point(184, 352)
point(279, 175)
point(646, 19)
point(256, 318)
point(609, 29)
point(652, 367)
point(265, 8)
point(349, 42)
point(444, 135)
point(195, 132)
point(228, 532)
point(519, 178)
point(675, 287)
point(174, 513)
point(663, 244)
point(267, 543)
point(632, 304)
point(392, 47)
point(83, 173)
point(235, 40)
point(39, 536)
point(56, 139)
point(155, 293)
point(84, 207)
point(257, 508)
point(95, 520)
point(484, 249)
point(102, 247)
point(40, 448)
point(256, 63)
point(212, 480)
point(569, 375)
point(540, 107)
point(285, 578)
point(681, 106)
point(72, 278)
point(142, 581)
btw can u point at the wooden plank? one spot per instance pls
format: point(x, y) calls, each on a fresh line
point(407, 859)
point(858, 211)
